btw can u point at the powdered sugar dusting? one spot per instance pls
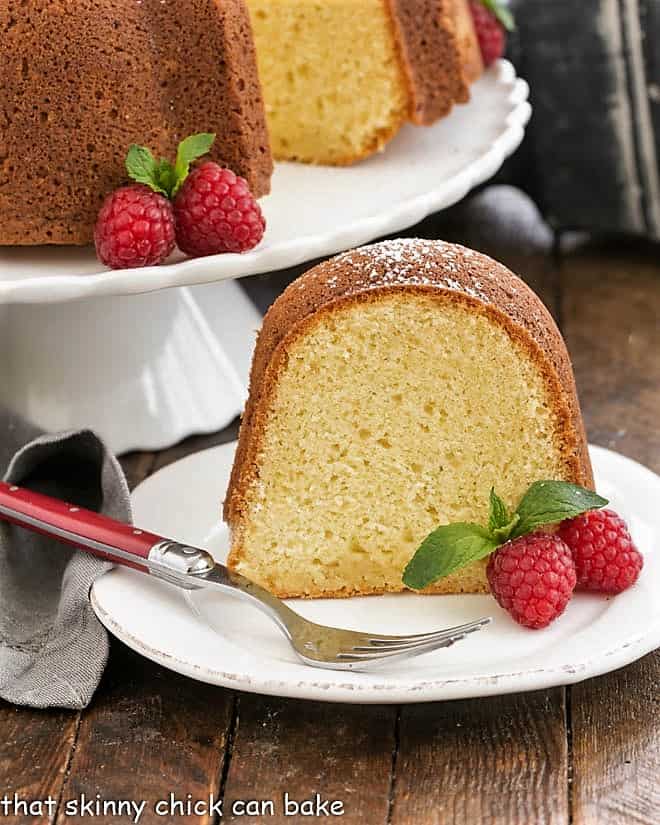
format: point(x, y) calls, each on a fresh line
point(410, 261)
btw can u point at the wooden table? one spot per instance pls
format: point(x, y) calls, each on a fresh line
point(584, 754)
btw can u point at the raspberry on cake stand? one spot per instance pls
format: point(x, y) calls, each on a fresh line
point(148, 356)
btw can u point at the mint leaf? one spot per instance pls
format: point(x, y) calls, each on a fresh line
point(499, 514)
point(143, 168)
point(160, 175)
point(501, 12)
point(446, 549)
point(453, 546)
point(190, 149)
point(548, 502)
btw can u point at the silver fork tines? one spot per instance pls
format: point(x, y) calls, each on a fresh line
point(403, 646)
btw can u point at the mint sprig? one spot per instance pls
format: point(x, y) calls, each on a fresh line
point(143, 167)
point(501, 12)
point(453, 546)
point(161, 175)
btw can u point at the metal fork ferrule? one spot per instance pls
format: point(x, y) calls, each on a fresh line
point(180, 558)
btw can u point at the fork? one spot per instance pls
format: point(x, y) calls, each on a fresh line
point(191, 568)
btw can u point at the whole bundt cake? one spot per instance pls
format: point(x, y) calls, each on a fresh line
point(391, 388)
point(80, 81)
point(340, 78)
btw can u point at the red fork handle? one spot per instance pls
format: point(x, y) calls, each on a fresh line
point(96, 534)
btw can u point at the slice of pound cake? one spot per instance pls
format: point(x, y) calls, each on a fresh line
point(391, 388)
point(341, 77)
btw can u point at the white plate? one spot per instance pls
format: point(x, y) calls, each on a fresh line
point(595, 634)
point(313, 210)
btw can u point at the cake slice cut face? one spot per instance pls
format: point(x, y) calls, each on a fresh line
point(340, 78)
point(391, 388)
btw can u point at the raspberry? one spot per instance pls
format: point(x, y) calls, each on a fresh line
point(533, 577)
point(606, 559)
point(490, 32)
point(215, 212)
point(135, 227)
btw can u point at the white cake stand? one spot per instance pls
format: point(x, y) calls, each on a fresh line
point(85, 346)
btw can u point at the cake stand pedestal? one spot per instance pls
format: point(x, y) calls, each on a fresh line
point(143, 371)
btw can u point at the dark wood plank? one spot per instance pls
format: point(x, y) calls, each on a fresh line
point(616, 747)
point(611, 309)
point(612, 326)
point(344, 753)
point(35, 749)
point(501, 761)
point(149, 733)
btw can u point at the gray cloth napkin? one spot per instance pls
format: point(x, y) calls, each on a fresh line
point(53, 649)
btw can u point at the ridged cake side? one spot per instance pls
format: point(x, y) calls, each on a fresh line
point(82, 81)
point(385, 293)
point(430, 49)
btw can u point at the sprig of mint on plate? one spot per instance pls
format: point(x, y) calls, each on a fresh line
point(452, 546)
point(161, 175)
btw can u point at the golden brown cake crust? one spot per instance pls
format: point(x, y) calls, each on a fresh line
point(430, 52)
point(447, 271)
point(80, 81)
